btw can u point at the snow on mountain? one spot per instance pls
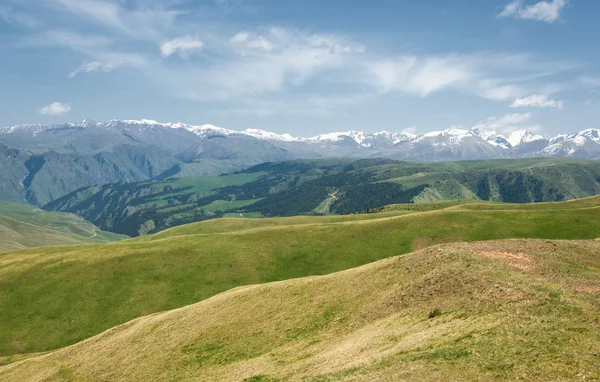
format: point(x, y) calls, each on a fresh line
point(499, 141)
point(395, 138)
point(462, 143)
point(590, 134)
point(330, 137)
point(267, 135)
point(493, 138)
point(523, 136)
point(447, 136)
point(21, 128)
point(206, 131)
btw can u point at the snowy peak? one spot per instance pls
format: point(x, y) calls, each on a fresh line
point(363, 139)
point(453, 143)
point(206, 131)
point(523, 136)
point(395, 138)
point(21, 128)
point(267, 135)
point(450, 135)
point(591, 134)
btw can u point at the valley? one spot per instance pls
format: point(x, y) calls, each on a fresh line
point(305, 187)
point(23, 226)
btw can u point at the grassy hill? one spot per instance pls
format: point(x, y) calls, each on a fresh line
point(22, 226)
point(322, 187)
point(504, 310)
point(56, 296)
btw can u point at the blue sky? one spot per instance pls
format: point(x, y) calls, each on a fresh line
point(304, 67)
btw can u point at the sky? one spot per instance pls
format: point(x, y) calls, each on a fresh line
point(304, 67)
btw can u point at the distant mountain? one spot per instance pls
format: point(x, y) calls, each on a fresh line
point(44, 162)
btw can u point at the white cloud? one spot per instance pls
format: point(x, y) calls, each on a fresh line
point(105, 12)
point(55, 108)
point(489, 89)
point(548, 11)
point(246, 40)
point(590, 81)
point(93, 66)
point(240, 37)
point(261, 43)
point(147, 21)
point(12, 16)
point(80, 43)
point(101, 58)
point(244, 72)
point(410, 130)
point(507, 124)
point(538, 100)
point(247, 43)
point(257, 63)
point(489, 76)
point(184, 45)
point(414, 75)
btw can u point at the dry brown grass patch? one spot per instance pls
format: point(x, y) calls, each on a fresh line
point(593, 289)
point(520, 261)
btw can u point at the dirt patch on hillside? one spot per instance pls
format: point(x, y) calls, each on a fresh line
point(593, 289)
point(520, 261)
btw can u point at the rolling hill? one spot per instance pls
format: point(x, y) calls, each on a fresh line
point(23, 226)
point(321, 187)
point(503, 310)
point(56, 296)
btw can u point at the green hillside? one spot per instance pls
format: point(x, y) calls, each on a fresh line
point(506, 310)
point(323, 187)
point(22, 226)
point(56, 296)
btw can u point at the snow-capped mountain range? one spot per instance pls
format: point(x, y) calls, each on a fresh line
point(450, 144)
point(41, 163)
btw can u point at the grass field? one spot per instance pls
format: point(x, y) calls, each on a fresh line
point(56, 296)
point(22, 226)
point(504, 310)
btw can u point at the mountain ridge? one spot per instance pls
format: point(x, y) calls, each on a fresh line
point(359, 136)
point(46, 162)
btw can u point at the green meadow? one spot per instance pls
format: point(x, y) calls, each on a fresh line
point(53, 297)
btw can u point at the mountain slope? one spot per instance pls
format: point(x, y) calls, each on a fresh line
point(79, 291)
point(27, 226)
point(47, 162)
point(507, 310)
point(326, 186)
